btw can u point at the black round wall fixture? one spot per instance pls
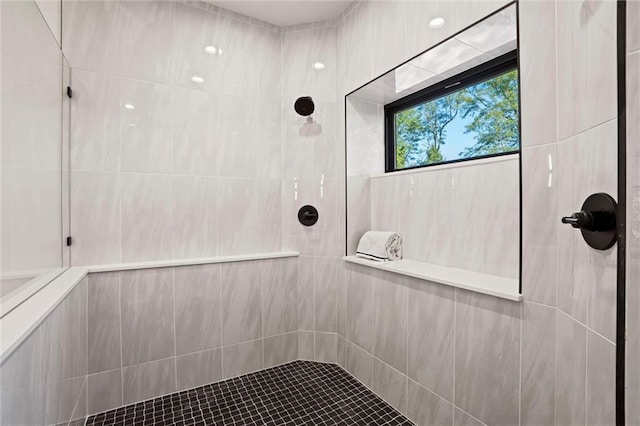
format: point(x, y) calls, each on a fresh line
point(597, 221)
point(304, 106)
point(308, 215)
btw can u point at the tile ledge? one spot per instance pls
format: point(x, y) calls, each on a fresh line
point(493, 285)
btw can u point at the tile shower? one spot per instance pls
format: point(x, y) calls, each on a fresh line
point(183, 144)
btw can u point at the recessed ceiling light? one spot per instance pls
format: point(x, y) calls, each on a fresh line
point(436, 22)
point(197, 79)
point(318, 66)
point(211, 50)
point(129, 106)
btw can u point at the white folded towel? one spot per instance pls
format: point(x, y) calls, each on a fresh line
point(380, 245)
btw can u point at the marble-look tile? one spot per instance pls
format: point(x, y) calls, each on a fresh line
point(60, 399)
point(418, 196)
point(538, 83)
point(326, 347)
point(326, 150)
point(238, 142)
point(341, 295)
point(570, 371)
point(81, 409)
point(359, 46)
point(417, 17)
point(146, 40)
point(306, 345)
point(295, 236)
point(390, 320)
point(298, 144)
point(538, 364)
point(197, 294)
point(326, 197)
point(241, 302)
point(539, 210)
point(460, 418)
point(467, 12)
point(390, 385)
point(325, 277)
point(270, 76)
point(242, 358)
point(279, 300)
point(572, 45)
point(194, 217)
point(388, 19)
point(199, 368)
point(360, 301)
point(269, 141)
point(90, 35)
point(104, 391)
point(306, 310)
point(145, 126)
point(103, 322)
point(501, 216)
point(633, 28)
point(341, 349)
point(95, 209)
point(487, 356)
point(601, 381)
point(146, 303)
point(195, 132)
point(358, 211)
point(426, 408)
point(430, 335)
point(359, 363)
point(280, 349)
point(364, 127)
point(146, 217)
point(384, 203)
point(145, 381)
point(238, 221)
point(95, 122)
point(601, 61)
point(270, 228)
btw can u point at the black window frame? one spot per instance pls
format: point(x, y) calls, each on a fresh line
point(485, 71)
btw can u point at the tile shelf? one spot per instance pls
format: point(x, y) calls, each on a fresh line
point(505, 288)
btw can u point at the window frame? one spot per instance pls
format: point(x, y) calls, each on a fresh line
point(485, 71)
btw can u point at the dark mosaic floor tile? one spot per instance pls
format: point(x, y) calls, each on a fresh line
point(294, 394)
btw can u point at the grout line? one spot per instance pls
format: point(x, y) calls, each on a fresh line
point(175, 334)
point(121, 347)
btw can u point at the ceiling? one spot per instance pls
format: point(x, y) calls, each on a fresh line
point(285, 13)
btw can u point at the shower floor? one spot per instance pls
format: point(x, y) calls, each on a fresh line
point(297, 393)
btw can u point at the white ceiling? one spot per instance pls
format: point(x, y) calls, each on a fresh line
point(285, 13)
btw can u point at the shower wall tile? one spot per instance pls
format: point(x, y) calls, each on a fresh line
point(487, 356)
point(358, 41)
point(60, 399)
point(326, 199)
point(194, 217)
point(306, 345)
point(95, 123)
point(146, 212)
point(269, 118)
point(95, 199)
point(390, 320)
point(242, 358)
point(103, 322)
point(426, 408)
point(280, 302)
point(195, 132)
point(388, 19)
point(270, 59)
point(270, 226)
point(601, 380)
point(430, 335)
point(460, 418)
point(467, 12)
point(104, 391)
point(145, 381)
point(238, 142)
point(241, 302)
point(238, 221)
point(538, 364)
point(325, 272)
point(146, 301)
point(197, 301)
point(146, 40)
point(390, 384)
point(145, 126)
point(326, 347)
point(306, 303)
point(198, 369)
point(540, 208)
point(633, 33)
point(360, 301)
point(417, 192)
point(295, 236)
point(358, 210)
point(359, 363)
point(570, 371)
point(280, 349)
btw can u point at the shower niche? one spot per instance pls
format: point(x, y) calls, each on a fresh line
point(433, 153)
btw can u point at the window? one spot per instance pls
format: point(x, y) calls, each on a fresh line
point(472, 115)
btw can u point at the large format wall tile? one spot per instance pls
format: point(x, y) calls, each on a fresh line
point(103, 326)
point(280, 302)
point(487, 356)
point(390, 384)
point(280, 349)
point(145, 381)
point(325, 293)
point(242, 358)
point(104, 391)
point(199, 369)
point(360, 300)
point(146, 300)
point(426, 408)
point(570, 371)
point(238, 144)
point(241, 302)
point(238, 218)
point(390, 320)
point(359, 363)
point(601, 380)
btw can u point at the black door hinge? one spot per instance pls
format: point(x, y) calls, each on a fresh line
point(69, 92)
point(69, 241)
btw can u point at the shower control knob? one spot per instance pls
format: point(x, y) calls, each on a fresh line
point(308, 215)
point(597, 221)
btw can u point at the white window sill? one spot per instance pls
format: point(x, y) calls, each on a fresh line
point(505, 288)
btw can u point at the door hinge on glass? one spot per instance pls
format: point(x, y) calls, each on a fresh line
point(69, 92)
point(69, 241)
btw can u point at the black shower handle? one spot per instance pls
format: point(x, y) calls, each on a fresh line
point(581, 220)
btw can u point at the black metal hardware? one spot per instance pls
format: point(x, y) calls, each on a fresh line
point(69, 92)
point(308, 215)
point(304, 106)
point(597, 221)
point(69, 241)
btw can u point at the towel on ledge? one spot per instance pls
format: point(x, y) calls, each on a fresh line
point(380, 245)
